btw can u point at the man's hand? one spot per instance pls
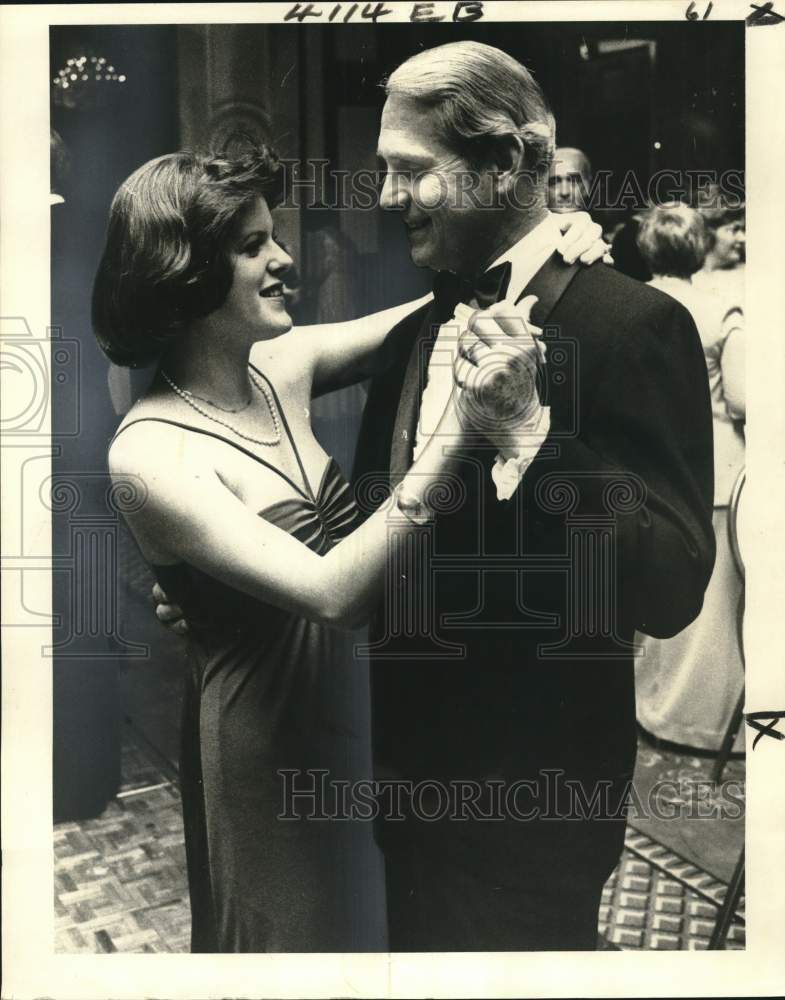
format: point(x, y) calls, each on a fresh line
point(170, 614)
point(582, 239)
point(497, 367)
point(499, 360)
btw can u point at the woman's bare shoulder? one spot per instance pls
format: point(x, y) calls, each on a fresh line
point(286, 364)
point(153, 429)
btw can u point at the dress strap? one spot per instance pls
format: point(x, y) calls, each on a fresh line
point(288, 432)
point(220, 437)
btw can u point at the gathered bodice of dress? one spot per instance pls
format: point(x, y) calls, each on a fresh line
point(319, 521)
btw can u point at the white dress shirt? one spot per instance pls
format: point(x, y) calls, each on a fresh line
point(526, 257)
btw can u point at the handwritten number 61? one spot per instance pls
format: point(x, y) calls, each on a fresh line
point(692, 14)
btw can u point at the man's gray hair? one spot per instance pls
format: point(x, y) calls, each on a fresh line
point(481, 95)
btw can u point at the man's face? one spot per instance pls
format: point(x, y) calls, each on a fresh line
point(568, 183)
point(440, 198)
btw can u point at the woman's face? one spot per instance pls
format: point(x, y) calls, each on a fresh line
point(256, 301)
point(728, 246)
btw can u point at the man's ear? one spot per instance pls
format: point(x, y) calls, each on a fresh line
point(508, 158)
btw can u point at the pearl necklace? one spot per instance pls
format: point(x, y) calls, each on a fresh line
point(189, 398)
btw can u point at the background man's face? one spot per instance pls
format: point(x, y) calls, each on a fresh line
point(439, 196)
point(569, 181)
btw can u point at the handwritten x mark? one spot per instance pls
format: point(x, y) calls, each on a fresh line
point(767, 730)
point(764, 15)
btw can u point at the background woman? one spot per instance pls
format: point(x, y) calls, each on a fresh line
point(688, 686)
point(722, 273)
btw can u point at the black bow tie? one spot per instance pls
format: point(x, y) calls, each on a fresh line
point(449, 289)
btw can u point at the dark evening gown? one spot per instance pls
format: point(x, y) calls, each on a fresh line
point(272, 701)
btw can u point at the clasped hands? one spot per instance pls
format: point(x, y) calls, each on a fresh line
point(496, 372)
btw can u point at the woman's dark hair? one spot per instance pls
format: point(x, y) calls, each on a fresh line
point(166, 260)
point(671, 240)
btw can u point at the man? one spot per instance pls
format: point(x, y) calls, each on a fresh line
point(517, 696)
point(569, 181)
point(514, 697)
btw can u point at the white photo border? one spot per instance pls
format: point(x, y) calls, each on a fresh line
point(32, 968)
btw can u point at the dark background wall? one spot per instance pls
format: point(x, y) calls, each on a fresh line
point(108, 129)
point(638, 97)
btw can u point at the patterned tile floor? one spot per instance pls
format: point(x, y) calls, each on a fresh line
point(656, 900)
point(120, 879)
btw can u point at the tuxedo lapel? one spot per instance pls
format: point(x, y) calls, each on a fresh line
point(549, 284)
point(408, 409)
point(413, 383)
point(374, 446)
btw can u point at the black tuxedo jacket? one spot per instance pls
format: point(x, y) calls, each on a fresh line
point(525, 661)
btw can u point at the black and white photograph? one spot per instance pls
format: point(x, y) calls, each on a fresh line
point(391, 573)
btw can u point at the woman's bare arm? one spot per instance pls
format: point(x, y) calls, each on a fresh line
point(345, 353)
point(191, 516)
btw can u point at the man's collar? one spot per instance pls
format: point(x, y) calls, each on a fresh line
point(530, 253)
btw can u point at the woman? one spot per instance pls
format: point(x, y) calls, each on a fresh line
point(253, 531)
point(722, 274)
point(688, 686)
